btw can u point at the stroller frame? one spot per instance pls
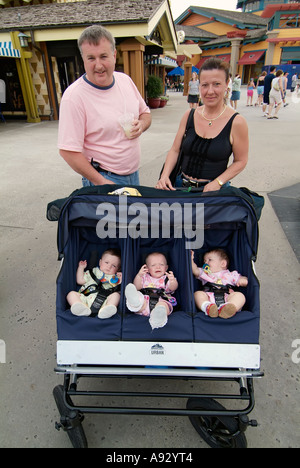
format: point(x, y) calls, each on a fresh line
point(81, 360)
point(219, 426)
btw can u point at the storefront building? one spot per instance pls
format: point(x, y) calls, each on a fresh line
point(37, 72)
point(265, 33)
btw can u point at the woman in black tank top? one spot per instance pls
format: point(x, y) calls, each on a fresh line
point(209, 137)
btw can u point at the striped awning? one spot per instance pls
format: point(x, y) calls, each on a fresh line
point(7, 50)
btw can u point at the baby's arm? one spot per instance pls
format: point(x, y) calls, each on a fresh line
point(80, 272)
point(138, 280)
point(195, 268)
point(242, 281)
point(119, 275)
point(173, 283)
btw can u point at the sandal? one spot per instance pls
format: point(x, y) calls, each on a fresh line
point(212, 311)
point(227, 311)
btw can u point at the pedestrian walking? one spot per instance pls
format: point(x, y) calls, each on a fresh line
point(267, 88)
point(276, 94)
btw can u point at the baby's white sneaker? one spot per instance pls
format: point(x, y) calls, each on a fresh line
point(158, 317)
point(80, 310)
point(134, 298)
point(107, 311)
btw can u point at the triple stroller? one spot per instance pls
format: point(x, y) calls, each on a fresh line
point(192, 347)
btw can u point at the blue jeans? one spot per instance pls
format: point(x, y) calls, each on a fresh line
point(131, 179)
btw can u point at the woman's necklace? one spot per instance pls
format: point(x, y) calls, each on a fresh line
point(210, 121)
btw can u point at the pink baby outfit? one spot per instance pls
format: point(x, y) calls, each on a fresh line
point(156, 283)
point(223, 277)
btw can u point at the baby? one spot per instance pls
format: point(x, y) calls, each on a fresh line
point(154, 275)
point(108, 275)
point(215, 270)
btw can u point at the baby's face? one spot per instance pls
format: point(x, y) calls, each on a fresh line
point(109, 264)
point(157, 265)
point(215, 262)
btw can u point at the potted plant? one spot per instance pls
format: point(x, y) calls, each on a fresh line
point(154, 91)
point(163, 101)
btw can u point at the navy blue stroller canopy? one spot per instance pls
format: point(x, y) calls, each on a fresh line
point(170, 222)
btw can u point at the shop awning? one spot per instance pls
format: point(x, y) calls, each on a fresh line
point(225, 58)
point(250, 58)
point(7, 50)
point(202, 60)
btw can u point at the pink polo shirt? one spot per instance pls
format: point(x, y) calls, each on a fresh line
point(88, 122)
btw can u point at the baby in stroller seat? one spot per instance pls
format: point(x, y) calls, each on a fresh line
point(151, 292)
point(214, 302)
point(98, 294)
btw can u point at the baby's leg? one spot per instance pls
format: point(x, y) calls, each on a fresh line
point(204, 303)
point(73, 297)
point(113, 299)
point(135, 300)
point(109, 307)
point(234, 302)
point(159, 315)
point(77, 306)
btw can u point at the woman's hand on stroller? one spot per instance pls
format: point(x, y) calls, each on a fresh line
point(164, 183)
point(212, 186)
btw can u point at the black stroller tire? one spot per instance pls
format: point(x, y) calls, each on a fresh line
point(75, 431)
point(216, 430)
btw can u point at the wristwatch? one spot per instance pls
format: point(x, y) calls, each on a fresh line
point(220, 182)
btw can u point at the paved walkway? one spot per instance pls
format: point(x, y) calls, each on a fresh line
point(32, 175)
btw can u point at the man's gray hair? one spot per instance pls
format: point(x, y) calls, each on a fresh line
point(94, 34)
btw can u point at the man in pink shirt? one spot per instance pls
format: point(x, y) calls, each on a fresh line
point(89, 128)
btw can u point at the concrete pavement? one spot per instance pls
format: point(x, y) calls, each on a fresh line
point(32, 175)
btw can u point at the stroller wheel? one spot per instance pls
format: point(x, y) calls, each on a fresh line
point(70, 421)
point(216, 431)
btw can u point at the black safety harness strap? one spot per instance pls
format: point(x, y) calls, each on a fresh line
point(218, 290)
point(102, 293)
point(157, 293)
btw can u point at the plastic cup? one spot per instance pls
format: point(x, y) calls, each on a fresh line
point(126, 121)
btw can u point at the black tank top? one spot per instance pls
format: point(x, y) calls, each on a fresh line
point(206, 158)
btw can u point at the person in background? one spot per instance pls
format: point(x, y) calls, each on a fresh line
point(276, 94)
point(294, 82)
point(236, 91)
point(229, 90)
point(267, 88)
point(194, 91)
point(285, 85)
point(260, 88)
point(250, 92)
